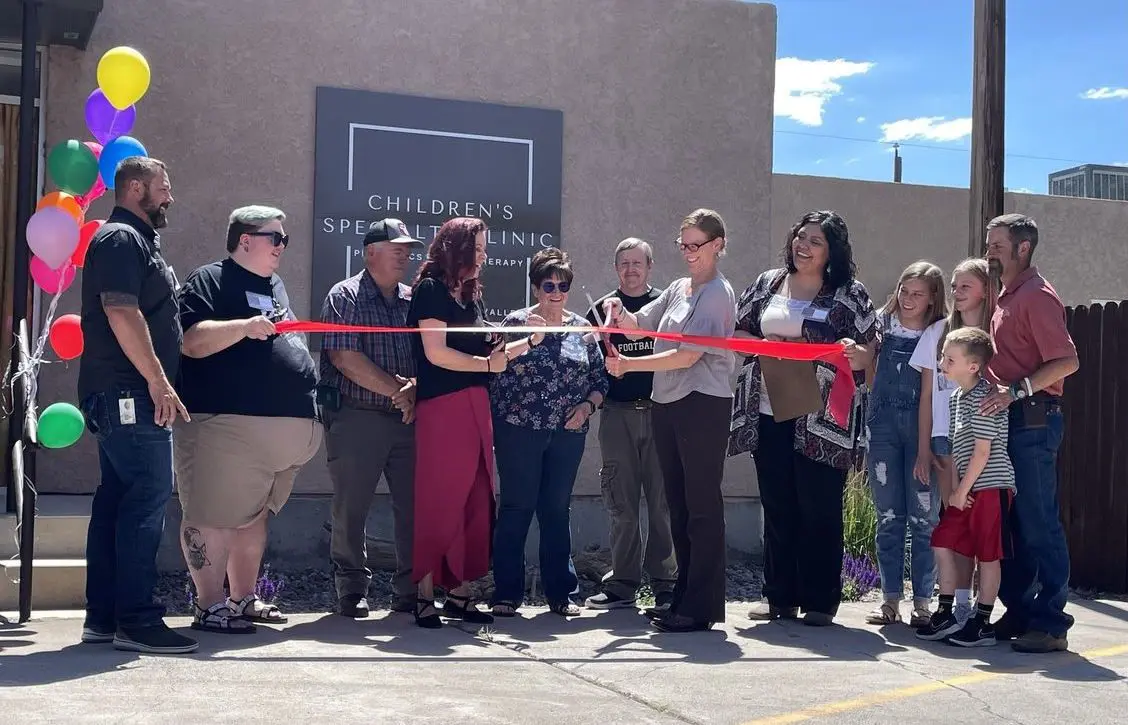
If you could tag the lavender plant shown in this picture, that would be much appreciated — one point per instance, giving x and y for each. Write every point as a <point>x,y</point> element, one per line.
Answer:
<point>859,576</point>
<point>268,587</point>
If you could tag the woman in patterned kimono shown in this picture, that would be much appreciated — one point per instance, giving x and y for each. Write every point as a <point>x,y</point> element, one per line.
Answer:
<point>801,463</point>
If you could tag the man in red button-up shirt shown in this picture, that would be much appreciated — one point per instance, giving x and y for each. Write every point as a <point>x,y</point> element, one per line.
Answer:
<point>1033,355</point>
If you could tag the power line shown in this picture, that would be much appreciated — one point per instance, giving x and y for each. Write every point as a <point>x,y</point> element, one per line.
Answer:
<point>924,146</point>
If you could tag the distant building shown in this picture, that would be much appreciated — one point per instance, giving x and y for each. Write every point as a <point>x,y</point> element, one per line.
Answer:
<point>1091,181</point>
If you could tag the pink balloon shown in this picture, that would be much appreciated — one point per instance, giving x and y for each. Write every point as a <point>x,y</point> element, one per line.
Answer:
<point>99,188</point>
<point>52,234</point>
<point>51,281</point>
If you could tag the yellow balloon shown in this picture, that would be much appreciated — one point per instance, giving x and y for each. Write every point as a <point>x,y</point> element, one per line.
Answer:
<point>123,76</point>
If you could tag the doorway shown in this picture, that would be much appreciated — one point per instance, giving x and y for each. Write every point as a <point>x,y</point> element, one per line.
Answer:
<point>9,138</point>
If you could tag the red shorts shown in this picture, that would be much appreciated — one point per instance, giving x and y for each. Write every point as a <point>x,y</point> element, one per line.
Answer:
<point>981,532</point>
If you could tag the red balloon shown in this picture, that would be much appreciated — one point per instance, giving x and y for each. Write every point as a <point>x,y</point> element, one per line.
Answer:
<point>66,337</point>
<point>85,234</point>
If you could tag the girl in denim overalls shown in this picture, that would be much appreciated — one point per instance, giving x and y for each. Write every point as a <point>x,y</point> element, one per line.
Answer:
<point>973,303</point>
<point>902,502</point>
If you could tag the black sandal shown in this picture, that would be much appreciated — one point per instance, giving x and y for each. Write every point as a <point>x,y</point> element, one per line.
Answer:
<point>564,609</point>
<point>430,621</point>
<point>467,612</point>
<point>220,618</point>
<point>505,608</point>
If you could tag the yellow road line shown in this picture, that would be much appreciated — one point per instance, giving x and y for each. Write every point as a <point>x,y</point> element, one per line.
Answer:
<point>903,693</point>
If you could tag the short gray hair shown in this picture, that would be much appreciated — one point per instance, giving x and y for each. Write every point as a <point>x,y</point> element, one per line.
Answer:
<point>248,219</point>
<point>633,243</point>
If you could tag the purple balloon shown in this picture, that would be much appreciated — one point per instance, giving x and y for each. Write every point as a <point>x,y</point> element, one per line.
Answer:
<point>106,122</point>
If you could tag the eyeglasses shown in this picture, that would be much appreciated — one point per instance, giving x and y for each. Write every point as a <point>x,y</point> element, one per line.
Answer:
<point>690,247</point>
<point>548,287</point>
<point>278,239</point>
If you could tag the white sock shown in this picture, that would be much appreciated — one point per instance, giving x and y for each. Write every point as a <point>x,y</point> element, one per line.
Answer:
<point>963,597</point>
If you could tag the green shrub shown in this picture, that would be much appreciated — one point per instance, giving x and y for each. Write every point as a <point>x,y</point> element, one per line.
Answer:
<point>859,518</point>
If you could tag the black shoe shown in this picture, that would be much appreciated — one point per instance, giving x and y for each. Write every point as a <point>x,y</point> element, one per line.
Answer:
<point>424,620</point>
<point>97,634</point>
<point>663,603</point>
<point>680,623</point>
<point>942,625</point>
<point>403,606</point>
<point>463,608</point>
<point>157,639</point>
<point>765,612</point>
<point>1040,643</point>
<point>607,600</point>
<point>353,605</point>
<point>1008,627</point>
<point>975,633</point>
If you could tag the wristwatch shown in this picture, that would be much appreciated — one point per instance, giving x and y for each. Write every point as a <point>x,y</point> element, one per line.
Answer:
<point>588,401</point>
<point>1021,389</point>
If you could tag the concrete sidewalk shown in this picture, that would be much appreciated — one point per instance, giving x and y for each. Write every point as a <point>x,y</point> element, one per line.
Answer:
<point>608,667</point>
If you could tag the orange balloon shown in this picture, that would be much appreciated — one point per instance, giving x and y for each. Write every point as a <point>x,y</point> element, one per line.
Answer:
<point>64,201</point>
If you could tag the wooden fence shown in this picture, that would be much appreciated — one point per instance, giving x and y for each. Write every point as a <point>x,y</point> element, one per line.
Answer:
<point>1093,459</point>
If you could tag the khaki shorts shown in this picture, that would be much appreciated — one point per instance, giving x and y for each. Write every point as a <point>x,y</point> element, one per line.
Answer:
<point>231,468</point>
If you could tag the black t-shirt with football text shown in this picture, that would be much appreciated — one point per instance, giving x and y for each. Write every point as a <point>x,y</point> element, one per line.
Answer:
<point>275,377</point>
<point>125,258</point>
<point>632,387</point>
<point>431,300</point>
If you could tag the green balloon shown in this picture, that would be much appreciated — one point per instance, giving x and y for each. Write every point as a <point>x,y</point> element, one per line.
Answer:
<point>60,425</point>
<point>73,167</point>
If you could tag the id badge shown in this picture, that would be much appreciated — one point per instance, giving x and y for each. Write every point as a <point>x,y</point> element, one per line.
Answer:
<point>815,314</point>
<point>127,411</point>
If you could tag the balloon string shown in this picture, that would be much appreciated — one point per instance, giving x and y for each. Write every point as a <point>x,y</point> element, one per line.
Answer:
<point>29,369</point>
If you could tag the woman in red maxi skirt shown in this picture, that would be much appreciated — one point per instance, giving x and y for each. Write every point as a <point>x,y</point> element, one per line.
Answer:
<point>454,496</point>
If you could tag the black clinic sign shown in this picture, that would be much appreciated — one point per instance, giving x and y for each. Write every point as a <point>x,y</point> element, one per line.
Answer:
<point>427,160</point>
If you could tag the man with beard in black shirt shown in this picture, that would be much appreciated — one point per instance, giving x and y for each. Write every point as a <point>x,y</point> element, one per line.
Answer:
<point>252,393</point>
<point>132,351</point>
<point>630,462</point>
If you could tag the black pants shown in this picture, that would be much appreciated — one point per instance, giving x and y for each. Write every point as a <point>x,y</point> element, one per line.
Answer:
<point>802,503</point>
<point>691,435</point>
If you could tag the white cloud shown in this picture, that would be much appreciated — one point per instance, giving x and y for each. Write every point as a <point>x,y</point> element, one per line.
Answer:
<point>1104,93</point>
<point>803,87</point>
<point>853,160</point>
<point>927,128</point>
<point>861,119</point>
<point>1022,190</point>
<point>1120,163</point>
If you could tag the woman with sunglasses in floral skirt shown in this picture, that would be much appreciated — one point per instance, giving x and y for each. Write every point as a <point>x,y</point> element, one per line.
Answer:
<point>541,407</point>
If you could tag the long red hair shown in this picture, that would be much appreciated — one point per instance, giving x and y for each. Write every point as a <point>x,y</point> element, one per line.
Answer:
<point>452,254</point>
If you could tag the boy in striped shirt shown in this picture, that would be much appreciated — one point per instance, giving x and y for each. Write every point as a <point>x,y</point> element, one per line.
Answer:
<point>975,520</point>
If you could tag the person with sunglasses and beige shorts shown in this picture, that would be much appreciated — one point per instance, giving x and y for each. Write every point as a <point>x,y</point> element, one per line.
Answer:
<point>252,396</point>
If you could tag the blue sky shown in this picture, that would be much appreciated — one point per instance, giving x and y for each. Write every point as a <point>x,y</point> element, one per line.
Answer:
<point>889,70</point>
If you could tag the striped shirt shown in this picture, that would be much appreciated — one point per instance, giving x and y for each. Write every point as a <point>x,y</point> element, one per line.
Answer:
<point>358,301</point>
<point>967,425</point>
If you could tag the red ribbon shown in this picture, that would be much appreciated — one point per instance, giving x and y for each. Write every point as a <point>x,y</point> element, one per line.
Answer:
<point>841,391</point>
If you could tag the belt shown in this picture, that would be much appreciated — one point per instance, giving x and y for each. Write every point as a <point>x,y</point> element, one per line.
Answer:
<point>347,402</point>
<point>629,404</point>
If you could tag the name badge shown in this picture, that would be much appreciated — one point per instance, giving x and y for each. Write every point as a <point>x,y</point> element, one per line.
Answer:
<point>815,314</point>
<point>262,303</point>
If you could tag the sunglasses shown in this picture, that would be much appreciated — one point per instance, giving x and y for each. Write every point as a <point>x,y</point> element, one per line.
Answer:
<point>548,286</point>
<point>278,239</point>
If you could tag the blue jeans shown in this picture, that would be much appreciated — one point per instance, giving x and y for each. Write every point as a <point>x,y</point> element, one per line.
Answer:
<point>128,513</point>
<point>902,503</point>
<point>537,470</point>
<point>1041,555</point>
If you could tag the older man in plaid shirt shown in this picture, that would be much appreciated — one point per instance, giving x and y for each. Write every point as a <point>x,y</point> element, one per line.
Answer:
<point>368,395</point>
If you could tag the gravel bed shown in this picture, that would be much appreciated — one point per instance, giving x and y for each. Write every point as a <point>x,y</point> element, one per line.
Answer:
<point>311,590</point>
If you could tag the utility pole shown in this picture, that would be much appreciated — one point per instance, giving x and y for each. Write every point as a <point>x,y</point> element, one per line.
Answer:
<point>896,163</point>
<point>987,116</point>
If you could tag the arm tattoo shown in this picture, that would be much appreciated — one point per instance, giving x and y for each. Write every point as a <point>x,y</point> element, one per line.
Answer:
<point>118,299</point>
<point>195,548</point>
